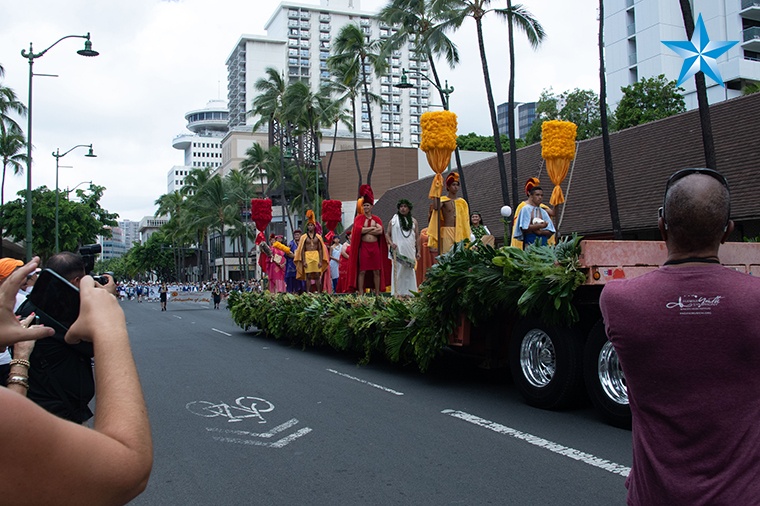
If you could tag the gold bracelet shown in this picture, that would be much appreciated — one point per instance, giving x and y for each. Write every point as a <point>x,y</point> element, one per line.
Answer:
<point>19,380</point>
<point>21,361</point>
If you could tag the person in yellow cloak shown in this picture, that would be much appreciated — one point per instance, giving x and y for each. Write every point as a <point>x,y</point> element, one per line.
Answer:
<point>311,259</point>
<point>529,185</point>
<point>454,216</point>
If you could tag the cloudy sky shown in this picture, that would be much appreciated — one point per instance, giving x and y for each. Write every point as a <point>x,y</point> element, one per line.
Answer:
<point>160,59</point>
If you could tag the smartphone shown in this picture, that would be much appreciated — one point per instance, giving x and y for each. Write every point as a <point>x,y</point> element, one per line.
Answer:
<point>56,298</point>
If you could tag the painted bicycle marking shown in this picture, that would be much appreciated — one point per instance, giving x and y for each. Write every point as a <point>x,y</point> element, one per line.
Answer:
<point>244,407</point>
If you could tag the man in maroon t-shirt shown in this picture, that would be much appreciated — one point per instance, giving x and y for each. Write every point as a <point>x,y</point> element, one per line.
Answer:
<point>688,341</point>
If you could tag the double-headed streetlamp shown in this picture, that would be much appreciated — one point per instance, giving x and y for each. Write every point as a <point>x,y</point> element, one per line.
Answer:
<point>31,56</point>
<point>58,155</point>
<point>68,192</point>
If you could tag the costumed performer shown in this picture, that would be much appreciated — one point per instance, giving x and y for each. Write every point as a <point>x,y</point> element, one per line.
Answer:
<point>293,285</point>
<point>369,266</point>
<point>534,225</point>
<point>277,265</point>
<point>345,255</point>
<point>402,236</point>
<point>454,215</point>
<point>311,258</point>
<point>529,185</point>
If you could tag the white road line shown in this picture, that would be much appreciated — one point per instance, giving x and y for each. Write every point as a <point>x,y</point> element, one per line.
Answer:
<point>285,426</point>
<point>277,444</point>
<point>541,442</point>
<point>394,392</point>
<point>178,317</point>
<point>221,332</point>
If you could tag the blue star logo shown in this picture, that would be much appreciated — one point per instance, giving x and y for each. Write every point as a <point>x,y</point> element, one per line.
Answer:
<point>700,53</point>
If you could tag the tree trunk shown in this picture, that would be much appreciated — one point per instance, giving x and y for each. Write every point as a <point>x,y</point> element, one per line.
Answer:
<point>447,106</point>
<point>371,127</point>
<point>329,162</point>
<point>492,113</point>
<point>356,147</point>
<point>511,104</point>
<point>2,206</point>
<point>704,105</point>
<point>608,172</point>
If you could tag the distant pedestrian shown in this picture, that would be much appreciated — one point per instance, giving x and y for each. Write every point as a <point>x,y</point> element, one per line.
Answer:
<point>163,292</point>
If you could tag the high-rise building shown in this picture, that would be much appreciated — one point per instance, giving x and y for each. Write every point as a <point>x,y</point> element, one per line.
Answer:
<point>202,148</point>
<point>298,43</point>
<point>634,31</point>
<point>113,246</point>
<point>131,231</point>
<point>525,115</point>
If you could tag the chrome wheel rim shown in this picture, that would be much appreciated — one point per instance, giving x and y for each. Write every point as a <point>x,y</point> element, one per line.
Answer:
<point>611,375</point>
<point>537,358</point>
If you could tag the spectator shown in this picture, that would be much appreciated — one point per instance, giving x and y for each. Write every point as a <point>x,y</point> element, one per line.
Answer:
<point>686,337</point>
<point>51,461</point>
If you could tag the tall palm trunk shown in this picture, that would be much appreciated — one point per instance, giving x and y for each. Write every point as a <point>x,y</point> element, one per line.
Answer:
<point>704,104</point>
<point>608,172</point>
<point>356,147</point>
<point>492,113</point>
<point>221,229</point>
<point>447,106</point>
<point>365,86</point>
<point>511,104</point>
<point>329,162</point>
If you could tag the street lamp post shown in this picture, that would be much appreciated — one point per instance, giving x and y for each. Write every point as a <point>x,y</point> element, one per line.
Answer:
<point>58,155</point>
<point>445,92</point>
<point>31,56</point>
<point>77,186</point>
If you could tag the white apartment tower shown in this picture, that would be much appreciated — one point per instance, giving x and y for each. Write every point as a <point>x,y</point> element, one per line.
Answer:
<point>202,148</point>
<point>634,30</point>
<point>298,42</point>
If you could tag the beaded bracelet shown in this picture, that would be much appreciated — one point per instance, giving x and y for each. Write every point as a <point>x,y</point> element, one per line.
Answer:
<point>20,361</point>
<point>19,380</point>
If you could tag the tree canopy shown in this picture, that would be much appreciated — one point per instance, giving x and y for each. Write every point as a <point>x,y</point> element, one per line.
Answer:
<point>648,100</point>
<point>579,106</point>
<point>475,142</point>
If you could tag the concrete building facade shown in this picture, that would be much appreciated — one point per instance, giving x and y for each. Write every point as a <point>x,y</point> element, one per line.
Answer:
<point>634,31</point>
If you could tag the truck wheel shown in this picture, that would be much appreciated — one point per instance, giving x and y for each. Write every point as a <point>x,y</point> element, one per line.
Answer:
<point>545,363</point>
<point>605,380</point>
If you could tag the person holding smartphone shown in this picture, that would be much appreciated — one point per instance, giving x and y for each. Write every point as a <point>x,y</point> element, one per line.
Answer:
<point>60,377</point>
<point>48,460</point>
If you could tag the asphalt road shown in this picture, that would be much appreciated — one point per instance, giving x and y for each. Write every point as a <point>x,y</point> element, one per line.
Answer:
<point>241,419</point>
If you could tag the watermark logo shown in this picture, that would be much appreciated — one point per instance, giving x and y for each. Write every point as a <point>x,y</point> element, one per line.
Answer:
<point>700,53</point>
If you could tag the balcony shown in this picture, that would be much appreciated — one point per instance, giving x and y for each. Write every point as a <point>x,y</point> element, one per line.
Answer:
<point>305,15</point>
<point>293,23</point>
<point>292,43</point>
<point>631,29</point>
<point>324,17</point>
<point>324,36</point>
<point>323,27</point>
<point>293,14</point>
<point>364,22</point>
<point>750,9</point>
<point>751,37</point>
<point>632,59</point>
<point>305,25</point>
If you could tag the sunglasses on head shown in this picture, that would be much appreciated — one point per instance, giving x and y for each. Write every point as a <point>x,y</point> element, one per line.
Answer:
<point>688,172</point>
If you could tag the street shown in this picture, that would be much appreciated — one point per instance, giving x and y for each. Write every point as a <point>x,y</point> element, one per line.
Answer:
<point>241,419</point>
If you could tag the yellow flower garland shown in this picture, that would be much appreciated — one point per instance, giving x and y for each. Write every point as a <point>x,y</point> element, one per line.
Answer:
<point>281,247</point>
<point>558,139</point>
<point>439,130</point>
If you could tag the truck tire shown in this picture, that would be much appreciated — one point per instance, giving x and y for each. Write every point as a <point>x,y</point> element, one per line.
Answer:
<point>605,381</point>
<point>546,364</point>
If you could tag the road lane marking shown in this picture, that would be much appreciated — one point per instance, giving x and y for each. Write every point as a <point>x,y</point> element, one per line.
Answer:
<point>386,389</point>
<point>178,317</point>
<point>282,427</point>
<point>542,443</point>
<point>280,443</point>
<point>221,332</point>
<point>277,444</point>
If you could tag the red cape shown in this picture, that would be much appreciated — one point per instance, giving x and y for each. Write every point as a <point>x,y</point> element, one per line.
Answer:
<point>353,260</point>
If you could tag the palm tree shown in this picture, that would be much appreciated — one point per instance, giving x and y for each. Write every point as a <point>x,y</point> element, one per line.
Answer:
<point>241,189</point>
<point>194,181</point>
<point>517,17</point>
<point>13,153</point>
<point>362,55</point>
<point>171,205</point>
<point>9,103</point>
<point>704,104</point>
<point>269,104</point>
<point>453,13</point>
<point>608,172</point>
<point>214,209</point>
<point>345,84</point>
<point>420,23</point>
<point>333,114</point>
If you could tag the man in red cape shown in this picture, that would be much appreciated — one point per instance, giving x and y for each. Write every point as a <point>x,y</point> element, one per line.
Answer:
<point>368,264</point>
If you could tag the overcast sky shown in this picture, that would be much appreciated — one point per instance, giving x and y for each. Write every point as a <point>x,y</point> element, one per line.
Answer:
<point>160,59</point>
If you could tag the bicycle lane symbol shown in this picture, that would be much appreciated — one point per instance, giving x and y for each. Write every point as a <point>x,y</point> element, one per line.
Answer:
<point>245,407</point>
